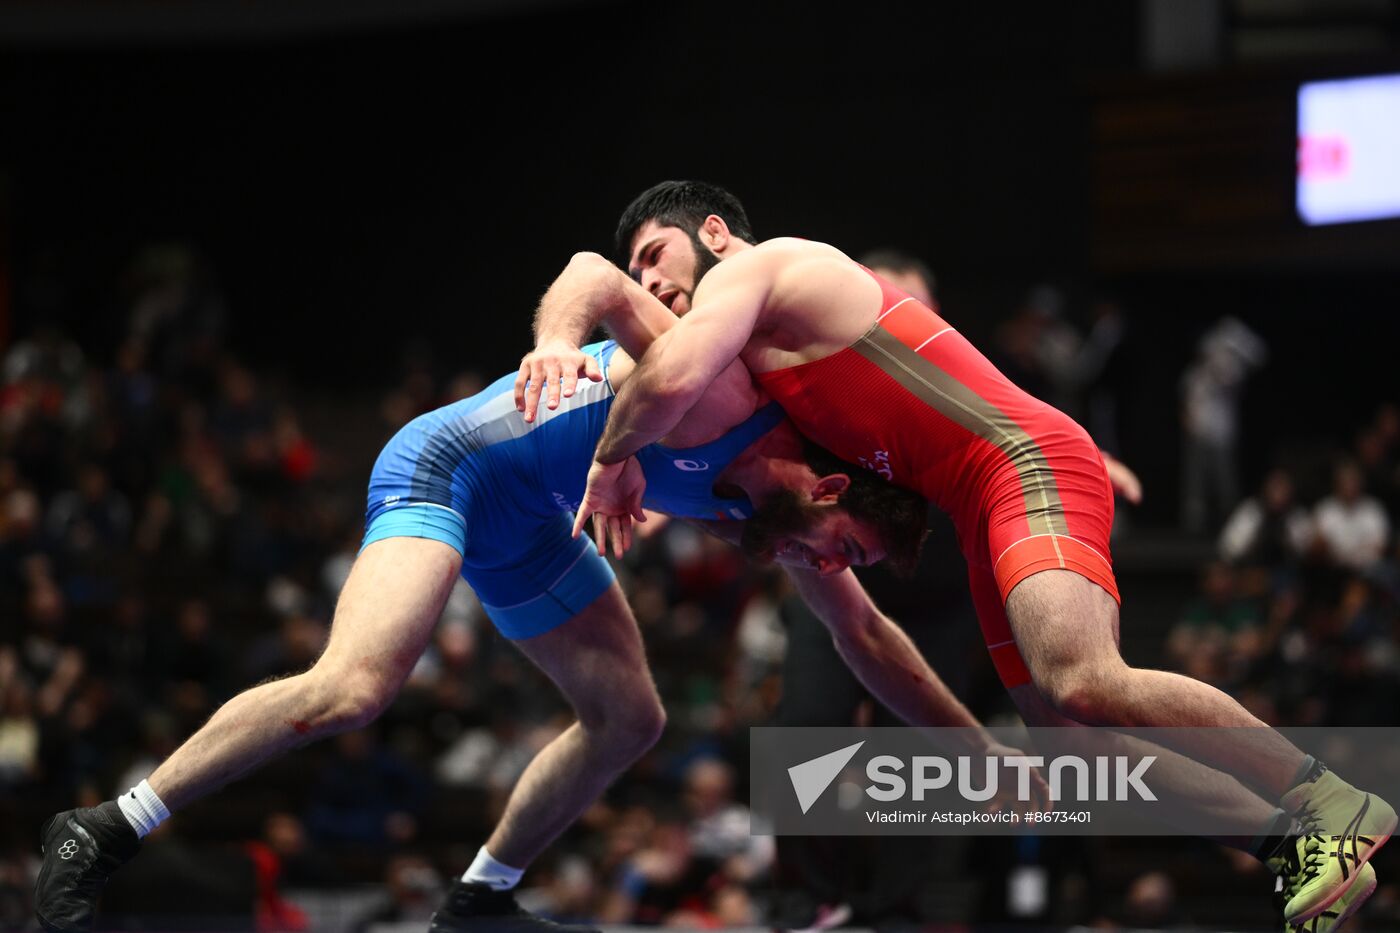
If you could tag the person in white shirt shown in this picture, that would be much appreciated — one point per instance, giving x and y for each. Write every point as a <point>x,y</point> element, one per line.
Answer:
<point>1350,524</point>
<point>1269,529</point>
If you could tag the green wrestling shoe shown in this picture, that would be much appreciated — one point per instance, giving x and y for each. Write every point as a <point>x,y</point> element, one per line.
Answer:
<point>1331,918</point>
<point>1341,828</point>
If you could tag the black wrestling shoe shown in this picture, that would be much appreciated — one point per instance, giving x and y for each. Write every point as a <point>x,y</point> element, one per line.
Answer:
<point>472,907</point>
<point>81,849</point>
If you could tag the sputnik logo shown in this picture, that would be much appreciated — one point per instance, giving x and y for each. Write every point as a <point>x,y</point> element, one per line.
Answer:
<point>811,778</point>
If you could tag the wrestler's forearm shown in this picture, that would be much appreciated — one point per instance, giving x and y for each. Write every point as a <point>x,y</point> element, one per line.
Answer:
<point>882,656</point>
<point>886,661</point>
<point>592,291</point>
<point>654,400</point>
<point>578,301</point>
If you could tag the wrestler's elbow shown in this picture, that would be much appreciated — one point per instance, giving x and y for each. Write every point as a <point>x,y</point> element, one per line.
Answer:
<point>594,272</point>
<point>668,380</point>
<point>858,634</point>
<point>676,393</point>
<point>586,259</point>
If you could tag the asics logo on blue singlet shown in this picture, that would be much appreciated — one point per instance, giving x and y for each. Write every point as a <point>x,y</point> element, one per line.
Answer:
<point>691,466</point>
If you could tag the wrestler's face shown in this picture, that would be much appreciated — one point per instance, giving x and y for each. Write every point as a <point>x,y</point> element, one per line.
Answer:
<point>833,541</point>
<point>668,262</point>
<point>830,522</point>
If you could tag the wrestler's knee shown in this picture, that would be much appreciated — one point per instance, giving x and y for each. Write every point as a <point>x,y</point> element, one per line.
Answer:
<point>341,700</point>
<point>1081,690</point>
<point>628,721</point>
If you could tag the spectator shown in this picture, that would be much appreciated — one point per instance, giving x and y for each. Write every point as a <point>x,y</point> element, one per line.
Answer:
<point>1100,374</point>
<point>412,891</point>
<point>1352,527</point>
<point>1378,450</point>
<point>19,732</point>
<point>570,894</point>
<point>1210,390</point>
<point>1269,529</point>
<point>1216,636</point>
<point>719,828</point>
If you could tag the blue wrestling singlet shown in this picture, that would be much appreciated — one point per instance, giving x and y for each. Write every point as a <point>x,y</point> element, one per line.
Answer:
<point>477,476</point>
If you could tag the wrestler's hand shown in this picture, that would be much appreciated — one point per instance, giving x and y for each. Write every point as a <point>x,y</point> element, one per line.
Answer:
<point>613,499</point>
<point>1125,481</point>
<point>1006,797</point>
<point>555,364</point>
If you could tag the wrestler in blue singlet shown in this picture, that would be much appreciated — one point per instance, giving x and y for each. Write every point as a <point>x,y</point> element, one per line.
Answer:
<point>477,476</point>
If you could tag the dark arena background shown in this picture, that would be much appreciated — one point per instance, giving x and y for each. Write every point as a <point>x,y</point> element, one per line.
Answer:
<point>242,242</point>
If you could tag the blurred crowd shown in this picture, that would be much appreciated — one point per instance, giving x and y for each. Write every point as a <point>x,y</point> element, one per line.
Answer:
<point>171,531</point>
<point>170,534</point>
<point>1299,614</point>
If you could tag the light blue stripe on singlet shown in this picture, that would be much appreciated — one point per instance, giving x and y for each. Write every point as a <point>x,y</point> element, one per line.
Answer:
<point>496,421</point>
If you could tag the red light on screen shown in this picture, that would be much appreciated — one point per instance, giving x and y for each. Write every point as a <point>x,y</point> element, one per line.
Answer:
<point>1321,157</point>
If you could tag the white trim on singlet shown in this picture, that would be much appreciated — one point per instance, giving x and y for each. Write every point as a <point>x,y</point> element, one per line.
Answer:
<point>932,339</point>
<point>424,505</point>
<point>891,308</point>
<point>1057,548</point>
<point>1002,644</point>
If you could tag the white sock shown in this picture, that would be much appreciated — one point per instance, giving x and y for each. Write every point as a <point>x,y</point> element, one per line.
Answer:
<point>142,809</point>
<point>486,870</point>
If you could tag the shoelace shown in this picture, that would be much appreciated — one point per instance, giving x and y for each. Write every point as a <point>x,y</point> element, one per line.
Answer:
<point>1314,851</point>
<point>1346,852</point>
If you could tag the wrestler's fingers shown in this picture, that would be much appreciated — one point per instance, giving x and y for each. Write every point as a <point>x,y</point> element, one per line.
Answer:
<point>600,533</point>
<point>611,533</point>
<point>551,375</point>
<point>532,394</point>
<point>522,379</point>
<point>580,518</point>
<point>624,534</point>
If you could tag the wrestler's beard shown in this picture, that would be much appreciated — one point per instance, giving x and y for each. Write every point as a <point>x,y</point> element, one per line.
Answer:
<point>898,515</point>
<point>705,260</point>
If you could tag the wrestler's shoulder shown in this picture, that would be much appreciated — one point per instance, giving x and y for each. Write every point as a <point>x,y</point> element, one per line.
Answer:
<point>793,247</point>
<point>782,258</point>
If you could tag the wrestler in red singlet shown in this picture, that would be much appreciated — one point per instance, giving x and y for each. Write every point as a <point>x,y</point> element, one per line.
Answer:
<point>1024,484</point>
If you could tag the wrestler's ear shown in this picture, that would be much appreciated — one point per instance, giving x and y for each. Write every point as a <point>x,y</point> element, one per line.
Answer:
<point>714,233</point>
<point>828,489</point>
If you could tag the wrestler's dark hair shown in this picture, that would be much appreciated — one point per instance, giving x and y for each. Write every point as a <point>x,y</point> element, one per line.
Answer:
<point>900,261</point>
<point>683,204</point>
<point>898,514</point>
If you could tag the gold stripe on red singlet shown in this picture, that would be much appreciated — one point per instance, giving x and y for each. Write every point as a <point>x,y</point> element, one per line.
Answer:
<point>964,407</point>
